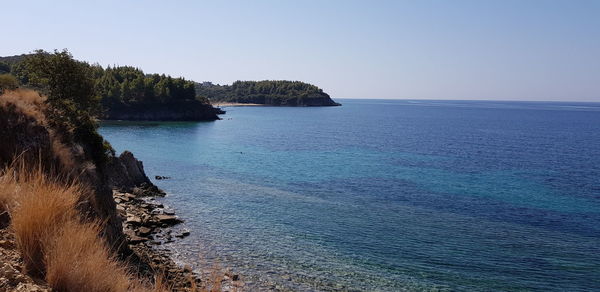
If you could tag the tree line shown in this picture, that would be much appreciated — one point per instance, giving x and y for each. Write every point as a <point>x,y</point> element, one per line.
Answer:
<point>113,86</point>
<point>249,91</point>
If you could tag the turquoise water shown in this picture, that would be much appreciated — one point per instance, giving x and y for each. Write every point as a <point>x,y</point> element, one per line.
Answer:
<point>386,195</point>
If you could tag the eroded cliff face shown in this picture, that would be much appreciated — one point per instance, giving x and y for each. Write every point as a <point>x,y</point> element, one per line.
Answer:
<point>26,134</point>
<point>186,110</point>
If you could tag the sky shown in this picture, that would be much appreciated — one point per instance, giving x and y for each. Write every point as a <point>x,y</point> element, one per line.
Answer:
<point>477,49</point>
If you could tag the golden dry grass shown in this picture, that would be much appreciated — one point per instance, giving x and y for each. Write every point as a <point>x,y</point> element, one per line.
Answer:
<point>31,104</point>
<point>77,260</point>
<point>58,246</point>
<point>41,207</point>
<point>52,239</point>
<point>28,102</point>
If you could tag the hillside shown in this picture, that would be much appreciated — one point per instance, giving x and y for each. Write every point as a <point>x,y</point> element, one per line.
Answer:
<point>275,93</point>
<point>125,93</point>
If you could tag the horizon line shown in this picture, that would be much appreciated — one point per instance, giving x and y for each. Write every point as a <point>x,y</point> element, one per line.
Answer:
<point>433,99</point>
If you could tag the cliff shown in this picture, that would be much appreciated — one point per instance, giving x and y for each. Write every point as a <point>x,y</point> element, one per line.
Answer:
<point>185,110</point>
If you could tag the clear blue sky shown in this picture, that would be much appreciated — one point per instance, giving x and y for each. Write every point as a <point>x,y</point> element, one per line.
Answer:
<point>504,49</point>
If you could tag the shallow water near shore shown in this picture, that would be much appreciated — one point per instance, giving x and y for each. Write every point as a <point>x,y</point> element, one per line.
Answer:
<point>380,195</point>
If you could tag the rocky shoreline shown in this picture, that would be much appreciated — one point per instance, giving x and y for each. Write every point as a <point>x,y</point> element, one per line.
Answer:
<point>147,225</point>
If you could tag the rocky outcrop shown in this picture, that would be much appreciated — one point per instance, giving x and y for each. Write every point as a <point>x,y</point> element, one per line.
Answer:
<point>185,110</point>
<point>126,172</point>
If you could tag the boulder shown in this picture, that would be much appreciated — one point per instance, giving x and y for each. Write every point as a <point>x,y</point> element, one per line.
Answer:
<point>144,231</point>
<point>132,219</point>
<point>168,219</point>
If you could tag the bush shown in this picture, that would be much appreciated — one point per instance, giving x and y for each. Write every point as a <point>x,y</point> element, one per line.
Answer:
<point>8,82</point>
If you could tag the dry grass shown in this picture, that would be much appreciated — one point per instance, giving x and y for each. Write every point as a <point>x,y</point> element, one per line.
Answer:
<point>28,102</point>
<point>77,260</point>
<point>41,207</point>
<point>53,241</point>
<point>58,246</point>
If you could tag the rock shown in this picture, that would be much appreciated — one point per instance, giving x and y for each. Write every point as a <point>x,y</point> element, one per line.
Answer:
<point>187,268</point>
<point>147,190</point>
<point>5,244</point>
<point>144,231</point>
<point>28,287</point>
<point>136,239</point>
<point>168,219</point>
<point>134,220</point>
<point>183,233</point>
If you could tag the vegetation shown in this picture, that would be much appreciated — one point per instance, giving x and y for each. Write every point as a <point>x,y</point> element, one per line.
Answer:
<point>113,85</point>
<point>4,68</point>
<point>60,246</point>
<point>265,92</point>
<point>129,85</point>
<point>126,88</point>
<point>8,82</point>
<point>54,241</point>
<point>123,92</point>
<point>73,105</point>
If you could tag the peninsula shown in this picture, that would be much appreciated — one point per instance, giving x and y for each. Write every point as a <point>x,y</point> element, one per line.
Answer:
<point>266,92</point>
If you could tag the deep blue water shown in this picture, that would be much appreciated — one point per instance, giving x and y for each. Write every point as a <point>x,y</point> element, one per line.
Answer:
<point>382,195</point>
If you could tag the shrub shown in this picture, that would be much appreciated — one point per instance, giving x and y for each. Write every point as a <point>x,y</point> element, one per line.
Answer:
<point>8,82</point>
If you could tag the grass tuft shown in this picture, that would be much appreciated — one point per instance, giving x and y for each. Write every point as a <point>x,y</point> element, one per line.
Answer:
<point>78,260</point>
<point>41,206</point>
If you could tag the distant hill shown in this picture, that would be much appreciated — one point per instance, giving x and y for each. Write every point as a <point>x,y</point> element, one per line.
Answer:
<point>7,62</point>
<point>267,92</point>
<point>13,59</point>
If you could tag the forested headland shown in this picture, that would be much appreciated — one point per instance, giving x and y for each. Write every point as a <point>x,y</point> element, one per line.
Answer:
<point>267,92</point>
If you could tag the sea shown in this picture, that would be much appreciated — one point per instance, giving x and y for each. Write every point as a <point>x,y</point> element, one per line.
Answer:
<point>384,195</point>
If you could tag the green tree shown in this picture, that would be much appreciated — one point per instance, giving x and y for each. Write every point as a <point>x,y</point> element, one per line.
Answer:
<point>73,105</point>
<point>4,68</point>
<point>68,83</point>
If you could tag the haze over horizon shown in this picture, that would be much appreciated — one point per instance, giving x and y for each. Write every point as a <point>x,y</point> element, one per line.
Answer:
<point>500,50</point>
